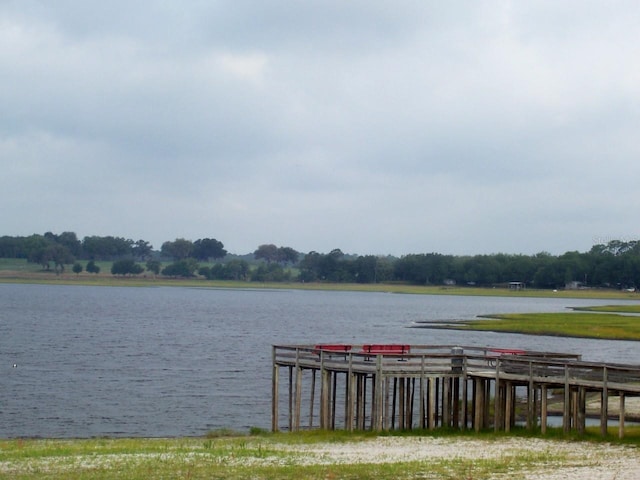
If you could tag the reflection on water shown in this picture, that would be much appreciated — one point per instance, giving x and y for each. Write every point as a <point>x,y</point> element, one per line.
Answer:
<point>97,361</point>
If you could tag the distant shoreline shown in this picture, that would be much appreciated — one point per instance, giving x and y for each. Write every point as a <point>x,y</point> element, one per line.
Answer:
<point>109,280</point>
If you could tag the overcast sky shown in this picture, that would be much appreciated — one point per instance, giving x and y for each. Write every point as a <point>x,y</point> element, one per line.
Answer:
<point>376,127</point>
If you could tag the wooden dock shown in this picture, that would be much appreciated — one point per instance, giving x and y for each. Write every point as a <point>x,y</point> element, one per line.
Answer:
<point>352,387</point>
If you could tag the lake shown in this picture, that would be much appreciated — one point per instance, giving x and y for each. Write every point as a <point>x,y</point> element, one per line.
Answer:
<point>84,361</point>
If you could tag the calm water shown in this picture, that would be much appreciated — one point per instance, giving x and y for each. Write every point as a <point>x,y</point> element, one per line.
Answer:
<point>108,361</point>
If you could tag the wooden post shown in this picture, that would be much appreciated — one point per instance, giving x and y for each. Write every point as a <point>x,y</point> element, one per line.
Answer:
<point>465,399</point>
<point>508,405</point>
<point>411,398</point>
<point>290,399</point>
<point>487,403</point>
<point>479,405</point>
<point>298,399</point>
<point>313,397</point>
<point>352,401</point>
<point>580,399</point>
<point>422,393</point>
<point>621,416</point>
<point>531,403</point>
<point>361,400</point>
<point>274,393</point>
<point>566,413</point>
<point>437,407</point>
<point>604,411</point>
<point>402,403</point>
<point>431,405</point>
<point>379,396</point>
<point>325,387</point>
<point>446,402</point>
<point>334,388</point>
<point>543,409</point>
<point>394,402</point>
<point>387,384</point>
<point>456,402</point>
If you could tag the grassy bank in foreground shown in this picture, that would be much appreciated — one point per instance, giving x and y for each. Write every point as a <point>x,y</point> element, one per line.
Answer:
<point>583,325</point>
<point>308,455</point>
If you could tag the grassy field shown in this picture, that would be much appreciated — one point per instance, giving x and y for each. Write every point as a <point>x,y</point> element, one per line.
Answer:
<point>310,455</point>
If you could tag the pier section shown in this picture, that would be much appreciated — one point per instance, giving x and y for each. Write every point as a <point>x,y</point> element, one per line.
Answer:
<point>402,387</point>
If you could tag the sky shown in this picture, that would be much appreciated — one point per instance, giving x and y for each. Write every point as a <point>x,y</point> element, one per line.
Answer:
<point>376,127</point>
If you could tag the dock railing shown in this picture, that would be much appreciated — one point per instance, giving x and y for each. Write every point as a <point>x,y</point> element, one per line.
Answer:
<point>380,384</point>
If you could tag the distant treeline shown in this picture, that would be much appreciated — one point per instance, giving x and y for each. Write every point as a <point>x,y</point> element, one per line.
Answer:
<point>614,265</point>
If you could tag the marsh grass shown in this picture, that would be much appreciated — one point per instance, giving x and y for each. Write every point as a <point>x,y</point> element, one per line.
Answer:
<point>584,325</point>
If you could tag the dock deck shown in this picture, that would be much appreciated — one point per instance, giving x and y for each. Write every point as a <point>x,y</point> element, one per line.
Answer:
<point>386,387</point>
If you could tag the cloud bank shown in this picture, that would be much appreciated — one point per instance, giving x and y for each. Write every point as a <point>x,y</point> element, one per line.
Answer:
<point>375,127</point>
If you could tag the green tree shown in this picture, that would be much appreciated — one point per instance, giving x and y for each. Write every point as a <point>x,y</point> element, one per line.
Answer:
<point>266,252</point>
<point>126,266</point>
<point>154,266</point>
<point>179,249</point>
<point>270,272</point>
<point>141,249</point>
<point>77,268</point>
<point>71,242</point>
<point>287,255</point>
<point>181,268</point>
<point>206,248</point>
<point>92,267</point>
<point>59,255</point>
<point>106,248</point>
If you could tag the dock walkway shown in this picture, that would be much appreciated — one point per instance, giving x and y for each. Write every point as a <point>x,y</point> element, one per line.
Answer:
<point>431,386</point>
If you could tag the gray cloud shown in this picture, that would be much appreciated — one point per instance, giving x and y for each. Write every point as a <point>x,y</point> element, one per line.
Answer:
<point>374,127</point>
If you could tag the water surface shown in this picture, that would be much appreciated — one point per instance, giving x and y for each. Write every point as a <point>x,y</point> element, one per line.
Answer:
<point>172,361</point>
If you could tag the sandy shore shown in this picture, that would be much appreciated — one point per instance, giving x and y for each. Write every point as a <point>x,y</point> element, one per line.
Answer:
<point>424,458</point>
<point>553,460</point>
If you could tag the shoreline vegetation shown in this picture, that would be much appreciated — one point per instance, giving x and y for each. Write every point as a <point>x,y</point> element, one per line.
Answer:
<point>325,454</point>
<point>616,322</point>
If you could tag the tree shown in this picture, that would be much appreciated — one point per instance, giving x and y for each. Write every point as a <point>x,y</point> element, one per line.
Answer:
<point>267,252</point>
<point>34,249</point>
<point>181,268</point>
<point>179,249</point>
<point>59,255</point>
<point>206,248</point>
<point>92,267</point>
<point>270,272</point>
<point>127,266</point>
<point>310,267</point>
<point>287,255</point>
<point>107,248</point>
<point>141,249</point>
<point>71,242</point>
<point>154,266</point>
<point>77,268</point>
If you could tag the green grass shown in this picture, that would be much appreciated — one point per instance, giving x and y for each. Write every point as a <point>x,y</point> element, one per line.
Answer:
<point>583,325</point>
<point>265,456</point>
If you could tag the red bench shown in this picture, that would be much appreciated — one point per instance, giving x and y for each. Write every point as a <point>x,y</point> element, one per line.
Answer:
<point>332,348</point>
<point>388,349</point>
<point>494,353</point>
<point>506,351</point>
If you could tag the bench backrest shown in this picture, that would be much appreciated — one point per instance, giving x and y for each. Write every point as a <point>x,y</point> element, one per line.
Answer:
<point>386,348</point>
<point>333,347</point>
